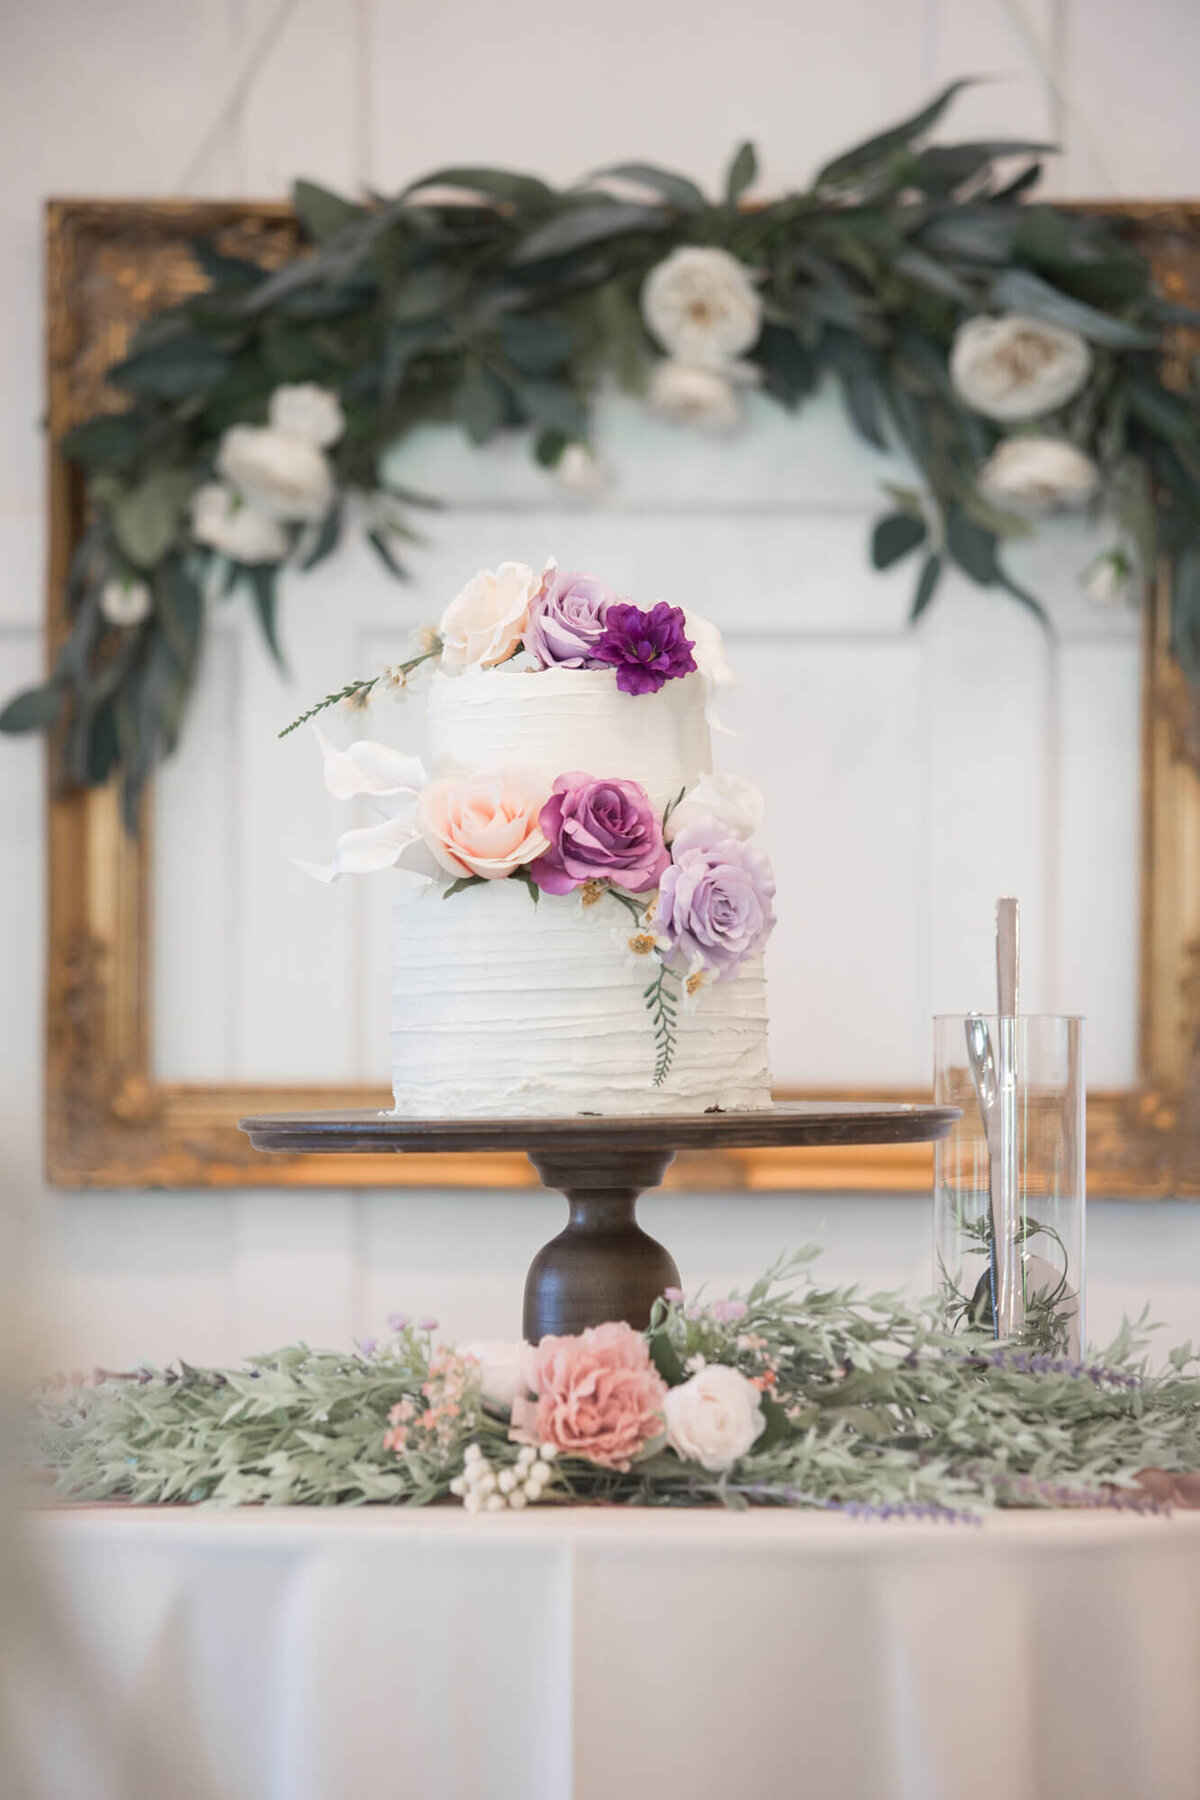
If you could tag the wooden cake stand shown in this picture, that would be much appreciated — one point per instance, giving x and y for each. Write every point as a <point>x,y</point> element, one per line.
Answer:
<point>603,1265</point>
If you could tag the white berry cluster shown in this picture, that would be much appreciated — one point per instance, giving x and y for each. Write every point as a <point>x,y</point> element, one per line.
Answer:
<point>482,1488</point>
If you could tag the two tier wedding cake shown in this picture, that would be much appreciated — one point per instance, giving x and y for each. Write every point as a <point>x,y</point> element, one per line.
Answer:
<point>582,926</point>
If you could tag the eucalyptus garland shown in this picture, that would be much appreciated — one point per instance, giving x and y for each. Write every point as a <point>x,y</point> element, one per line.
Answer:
<point>1011,348</point>
<point>858,1402</point>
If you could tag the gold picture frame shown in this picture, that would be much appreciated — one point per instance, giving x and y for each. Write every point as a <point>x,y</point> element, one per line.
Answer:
<point>109,1123</point>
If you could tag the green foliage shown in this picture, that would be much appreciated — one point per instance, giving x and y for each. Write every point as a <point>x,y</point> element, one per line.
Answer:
<point>509,313</point>
<point>868,1402</point>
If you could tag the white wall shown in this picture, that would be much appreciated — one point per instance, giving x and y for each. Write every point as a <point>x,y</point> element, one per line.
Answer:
<point>131,98</point>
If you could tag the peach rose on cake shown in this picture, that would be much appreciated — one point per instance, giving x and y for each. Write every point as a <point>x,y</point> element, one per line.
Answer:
<point>485,825</point>
<point>597,1395</point>
<point>484,624</point>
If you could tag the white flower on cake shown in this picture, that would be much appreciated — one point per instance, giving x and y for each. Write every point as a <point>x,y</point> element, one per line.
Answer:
<point>125,601</point>
<point>730,799</point>
<point>285,476</point>
<point>307,411</point>
<point>1015,368</point>
<point>716,671</point>
<point>484,825</point>
<point>692,395</point>
<point>501,1361</point>
<point>391,783</point>
<point>482,625</point>
<point>1036,475</point>
<point>694,983</point>
<point>227,522</point>
<point>702,306</point>
<point>641,945</point>
<point>714,1418</point>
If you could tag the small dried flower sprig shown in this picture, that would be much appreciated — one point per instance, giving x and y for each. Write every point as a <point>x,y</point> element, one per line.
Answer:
<point>356,695</point>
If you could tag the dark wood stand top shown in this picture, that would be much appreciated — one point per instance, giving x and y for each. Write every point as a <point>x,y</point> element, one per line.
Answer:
<point>786,1123</point>
<point>603,1265</point>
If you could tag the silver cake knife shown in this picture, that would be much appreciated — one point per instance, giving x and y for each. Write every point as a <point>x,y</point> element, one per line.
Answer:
<point>1002,1143</point>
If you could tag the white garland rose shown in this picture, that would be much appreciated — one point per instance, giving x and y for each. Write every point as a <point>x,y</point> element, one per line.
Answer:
<point>304,410</point>
<point>236,527</point>
<point>702,307</point>
<point>714,1418</point>
<point>1032,476</point>
<point>1015,368</point>
<point>690,394</point>
<point>287,477</point>
<point>125,601</point>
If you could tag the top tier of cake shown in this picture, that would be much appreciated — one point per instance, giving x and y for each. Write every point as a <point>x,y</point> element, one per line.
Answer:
<point>554,720</point>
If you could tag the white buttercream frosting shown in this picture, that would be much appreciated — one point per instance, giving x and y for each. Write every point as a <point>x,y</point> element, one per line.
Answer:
<point>559,720</point>
<point>504,1008</point>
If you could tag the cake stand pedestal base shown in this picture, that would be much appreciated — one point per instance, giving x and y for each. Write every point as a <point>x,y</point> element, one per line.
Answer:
<point>603,1265</point>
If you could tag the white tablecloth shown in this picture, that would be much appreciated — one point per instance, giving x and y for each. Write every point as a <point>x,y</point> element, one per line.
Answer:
<point>353,1655</point>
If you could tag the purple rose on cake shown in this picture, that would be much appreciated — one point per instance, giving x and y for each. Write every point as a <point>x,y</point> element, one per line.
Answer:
<point>567,620</point>
<point>645,648</point>
<point>599,831</point>
<point>714,901</point>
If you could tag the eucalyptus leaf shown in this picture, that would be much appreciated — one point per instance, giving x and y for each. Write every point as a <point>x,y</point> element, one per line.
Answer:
<point>894,537</point>
<point>1021,291</point>
<point>594,222</point>
<point>146,521</point>
<point>481,404</point>
<point>553,408</point>
<point>324,214</point>
<point>676,190</point>
<point>109,441</point>
<point>36,709</point>
<point>172,371</point>
<point>941,168</point>
<point>872,150</point>
<point>972,547</point>
<point>383,550</point>
<point>927,581</point>
<point>264,591</point>
<point>743,170</point>
<point>537,345</point>
<point>525,191</point>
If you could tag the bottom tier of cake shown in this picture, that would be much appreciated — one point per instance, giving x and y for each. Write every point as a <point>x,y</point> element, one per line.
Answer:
<point>504,1009</point>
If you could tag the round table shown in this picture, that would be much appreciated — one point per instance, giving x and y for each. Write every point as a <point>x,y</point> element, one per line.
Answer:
<point>308,1654</point>
<point>603,1265</point>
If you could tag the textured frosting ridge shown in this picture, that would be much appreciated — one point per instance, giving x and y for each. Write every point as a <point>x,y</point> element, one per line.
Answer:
<point>558,720</point>
<point>504,1008</point>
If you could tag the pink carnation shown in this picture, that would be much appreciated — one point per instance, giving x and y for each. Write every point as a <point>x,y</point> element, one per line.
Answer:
<point>596,1395</point>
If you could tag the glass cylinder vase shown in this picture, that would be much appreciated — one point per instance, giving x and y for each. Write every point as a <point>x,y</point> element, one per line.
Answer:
<point>1009,1181</point>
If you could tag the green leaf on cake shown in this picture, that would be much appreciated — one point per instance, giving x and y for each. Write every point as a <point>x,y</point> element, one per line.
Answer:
<point>463,882</point>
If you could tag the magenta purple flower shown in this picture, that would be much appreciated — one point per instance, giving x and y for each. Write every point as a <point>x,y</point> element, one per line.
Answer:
<point>600,831</point>
<point>647,649</point>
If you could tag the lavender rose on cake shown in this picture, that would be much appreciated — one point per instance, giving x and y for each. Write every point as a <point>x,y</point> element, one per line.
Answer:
<point>647,649</point>
<point>714,900</point>
<point>599,831</point>
<point>567,620</point>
